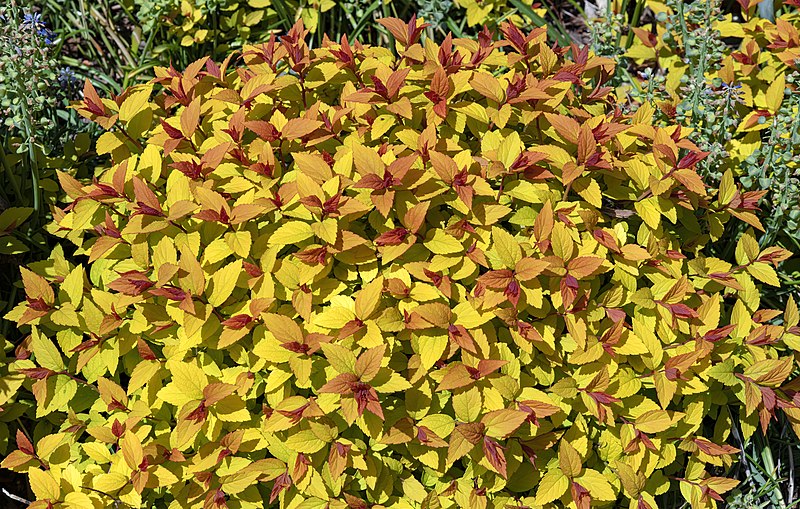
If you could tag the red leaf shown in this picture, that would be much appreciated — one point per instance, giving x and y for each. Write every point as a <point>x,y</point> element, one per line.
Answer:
<point>340,384</point>
<point>282,483</point>
<point>393,237</point>
<point>23,444</point>
<point>606,239</point>
<point>169,292</point>
<point>682,311</point>
<point>497,279</point>
<point>580,496</point>
<point>300,466</point>
<point>720,333</point>
<point>603,398</point>
<point>494,453</point>
<point>85,345</point>
<point>691,159</point>
<point>713,449</point>
<point>488,366</point>
<point>117,429</point>
<point>37,373</point>
<point>238,322</point>
<point>367,399</point>
<point>351,328</point>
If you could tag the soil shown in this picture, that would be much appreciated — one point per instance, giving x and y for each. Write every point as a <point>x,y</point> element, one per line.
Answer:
<point>14,484</point>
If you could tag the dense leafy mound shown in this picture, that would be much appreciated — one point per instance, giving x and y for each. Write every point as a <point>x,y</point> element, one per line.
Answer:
<point>458,277</point>
<point>735,84</point>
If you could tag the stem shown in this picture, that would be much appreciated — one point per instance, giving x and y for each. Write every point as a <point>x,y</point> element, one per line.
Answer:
<point>34,167</point>
<point>136,142</point>
<point>637,14</point>
<point>10,175</point>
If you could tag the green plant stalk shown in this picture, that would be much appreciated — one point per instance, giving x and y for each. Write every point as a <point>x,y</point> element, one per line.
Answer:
<point>552,32</point>
<point>684,30</point>
<point>769,467</point>
<point>114,36</point>
<point>700,77</point>
<point>365,19</point>
<point>9,306</point>
<point>767,161</point>
<point>10,175</point>
<point>623,8</point>
<point>578,8</point>
<point>637,14</point>
<point>34,166</point>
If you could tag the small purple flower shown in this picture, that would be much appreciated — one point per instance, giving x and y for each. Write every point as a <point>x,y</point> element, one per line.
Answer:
<point>66,77</point>
<point>33,20</point>
<point>48,35</point>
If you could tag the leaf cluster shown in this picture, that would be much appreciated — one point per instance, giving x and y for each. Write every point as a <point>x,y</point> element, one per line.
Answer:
<point>451,275</point>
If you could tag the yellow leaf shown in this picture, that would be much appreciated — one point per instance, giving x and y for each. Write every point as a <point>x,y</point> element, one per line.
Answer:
<point>223,282</point>
<point>334,317</point>
<point>764,273</point>
<point>727,188</point>
<point>589,190</point>
<point>649,212</point>
<point>217,250</point>
<point>506,247</point>
<point>569,460</point>
<point>770,372</point>
<point>488,86</point>
<point>46,353</point>
<point>791,316</point>
<point>431,349</point>
<point>292,232</point>
<point>190,118</point>
<point>443,243</point>
<point>551,487</point>
<point>598,485</point>
<point>653,421</point>
<point>502,423</point>
<point>132,450</point>
<point>135,103</point>
<point>774,94</point>
<point>510,147</point>
<point>326,230</point>
<point>466,315</point>
<point>73,285</point>
<point>109,141</point>
<point>109,483</point>
<point>563,244</point>
<point>239,242</point>
<point>468,405</point>
<point>188,382</point>
<point>77,500</point>
<point>43,485</point>
<point>367,160</point>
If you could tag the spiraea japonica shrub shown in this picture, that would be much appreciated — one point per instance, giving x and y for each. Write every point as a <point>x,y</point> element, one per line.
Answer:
<point>448,275</point>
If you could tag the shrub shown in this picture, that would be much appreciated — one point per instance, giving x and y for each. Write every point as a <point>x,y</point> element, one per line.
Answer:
<point>445,275</point>
<point>735,85</point>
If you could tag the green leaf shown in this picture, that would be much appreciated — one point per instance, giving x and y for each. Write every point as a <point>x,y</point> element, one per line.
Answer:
<point>506,247</point>
<point>341,358</point>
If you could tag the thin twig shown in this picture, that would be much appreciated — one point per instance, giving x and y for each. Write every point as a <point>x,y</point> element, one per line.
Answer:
<point>15,497</point>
